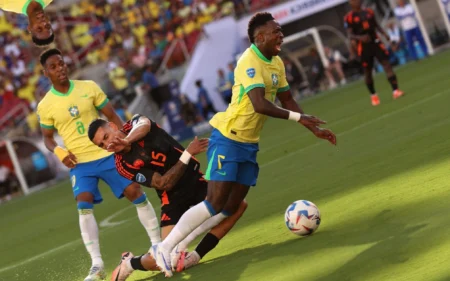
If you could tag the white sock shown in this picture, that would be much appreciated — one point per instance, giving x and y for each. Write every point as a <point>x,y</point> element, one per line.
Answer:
<point>190,220</point>
<point>204,227</point>
<point>148,218</point>
<point>89,233</point>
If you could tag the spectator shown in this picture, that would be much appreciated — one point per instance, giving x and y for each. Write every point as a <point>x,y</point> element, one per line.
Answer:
<point>292,74</point>
<point>335,60</point>
<point>396,43</point>
<point>317,70</point>
<point>204,104</point>
<point>122,111</point>
<point>188,111</point>
<point>149,79</point>
<point>406,14</point>
<point>117,76</point>
<point>224,86</point>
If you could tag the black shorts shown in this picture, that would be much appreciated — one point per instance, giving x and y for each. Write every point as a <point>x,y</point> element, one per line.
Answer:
<point>175,207</point>
<point>369,51</point>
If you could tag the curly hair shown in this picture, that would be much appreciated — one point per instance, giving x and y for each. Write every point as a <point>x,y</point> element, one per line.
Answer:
<point>256,21</point>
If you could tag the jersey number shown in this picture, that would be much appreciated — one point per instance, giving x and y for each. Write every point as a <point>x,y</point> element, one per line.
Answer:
<point>158,159</point>
<point>80,127</point>
<point>219,157</point>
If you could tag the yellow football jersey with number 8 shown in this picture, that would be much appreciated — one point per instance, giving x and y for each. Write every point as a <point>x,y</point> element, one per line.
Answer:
<point>240,122</point>
<point>71,113</point>
<point>20,6</point>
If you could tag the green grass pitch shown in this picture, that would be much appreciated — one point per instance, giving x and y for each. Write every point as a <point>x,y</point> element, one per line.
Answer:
<point>383,193</point>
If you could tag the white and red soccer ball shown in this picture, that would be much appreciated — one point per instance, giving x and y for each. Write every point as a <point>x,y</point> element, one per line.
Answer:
<point>302,217</point>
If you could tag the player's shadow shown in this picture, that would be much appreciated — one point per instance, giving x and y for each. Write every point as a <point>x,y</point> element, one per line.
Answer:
<point>388,238</point>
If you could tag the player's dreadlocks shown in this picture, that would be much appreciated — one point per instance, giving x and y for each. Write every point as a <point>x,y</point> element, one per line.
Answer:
<point>94,126</point>
<point>256,21</point>
<point>48,53</point>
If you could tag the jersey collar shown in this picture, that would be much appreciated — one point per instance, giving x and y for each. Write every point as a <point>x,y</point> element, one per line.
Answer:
<point>55,92</point>
<point>259,54</point>
<point>25,7</point>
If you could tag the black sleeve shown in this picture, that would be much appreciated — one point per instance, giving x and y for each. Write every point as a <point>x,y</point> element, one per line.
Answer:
<point>134,171</point>
<point>144,177</point>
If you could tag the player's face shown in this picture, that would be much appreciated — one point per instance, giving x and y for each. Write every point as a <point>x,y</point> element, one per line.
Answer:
<point>40,26</point>
<point>105,135</point>
<point>273,37</point>
<point>56,69</point>
<point>355,4</point>
<point>401,3</point>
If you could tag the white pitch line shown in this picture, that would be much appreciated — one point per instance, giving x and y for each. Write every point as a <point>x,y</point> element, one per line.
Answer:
<point>356,128</point>
<point>106,221</point>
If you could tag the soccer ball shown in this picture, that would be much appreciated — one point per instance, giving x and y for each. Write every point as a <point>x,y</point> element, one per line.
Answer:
<point>302,218</point>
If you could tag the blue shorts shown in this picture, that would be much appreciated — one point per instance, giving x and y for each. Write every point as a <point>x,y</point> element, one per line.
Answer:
<point>85,176</point>
<point>229,160</point>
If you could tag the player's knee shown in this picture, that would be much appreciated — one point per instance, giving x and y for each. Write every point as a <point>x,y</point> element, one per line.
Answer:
<point>85,208</point>
<point>133,192</point>
<point>214,206</point>
<point>142,199</point>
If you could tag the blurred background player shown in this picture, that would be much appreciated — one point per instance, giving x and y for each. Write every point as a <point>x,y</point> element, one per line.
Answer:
<point>147,154</point>
<point>406,15</point>
<point>232,167</point>
<point>68,107</point>
<point>39,26</point>
<point>362,28</point>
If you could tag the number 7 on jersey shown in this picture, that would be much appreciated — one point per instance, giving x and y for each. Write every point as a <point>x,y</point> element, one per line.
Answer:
<point>219,157</point>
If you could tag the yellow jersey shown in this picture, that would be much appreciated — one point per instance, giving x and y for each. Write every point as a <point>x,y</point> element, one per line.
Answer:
<point>20,6</point>
<point>240,122</point>
<point>71,113</point>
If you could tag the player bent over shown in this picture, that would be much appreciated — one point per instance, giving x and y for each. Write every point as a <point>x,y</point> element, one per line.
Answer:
<point>68,108</point>
<point>232,168</point>
<point>362,31</point>
<point>146,154</point>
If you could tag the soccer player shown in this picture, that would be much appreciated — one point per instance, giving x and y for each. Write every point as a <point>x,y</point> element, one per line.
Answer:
<point>39,24</point>
<point>362,29</point>
<point>145,153</point>
<point>68,108</point>
<point>233,145</point>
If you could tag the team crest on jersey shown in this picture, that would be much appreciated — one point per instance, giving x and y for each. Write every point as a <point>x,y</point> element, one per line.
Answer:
<point>251,72</point>
<point>140,178</point>
<point>74,112</point>
<point>74,181</point>
<point>274,79</point>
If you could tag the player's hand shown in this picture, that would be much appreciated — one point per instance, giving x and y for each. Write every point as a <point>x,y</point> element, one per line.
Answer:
<point>310,121</point>
<point>118,144</point>
<point>70,161</point>
<point>325,134</point>
<point>197,146</point>
<point>388,38</point>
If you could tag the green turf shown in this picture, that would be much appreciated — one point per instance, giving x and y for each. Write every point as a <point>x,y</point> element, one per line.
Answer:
<point>383,194</point>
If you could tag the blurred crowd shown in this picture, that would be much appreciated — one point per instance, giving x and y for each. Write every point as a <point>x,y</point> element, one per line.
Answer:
<point>130,36</point>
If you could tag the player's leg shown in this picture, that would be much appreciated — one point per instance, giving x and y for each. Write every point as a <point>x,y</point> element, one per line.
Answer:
<point>211,239</point>
<point>382,55</point>
<point>221,172</point>
<point>367,60</point>
<point>132,191</point>
<point>419,37</point>
<point>86,193</point>
<point>410,43</point>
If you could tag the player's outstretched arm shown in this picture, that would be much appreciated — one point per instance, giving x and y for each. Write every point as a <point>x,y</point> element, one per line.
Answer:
<point>173,175</point>
<point>140,129</point>
<point>288,102</point>
<point>66,157</point>
<point>111,114</point>
<point>262,106</point>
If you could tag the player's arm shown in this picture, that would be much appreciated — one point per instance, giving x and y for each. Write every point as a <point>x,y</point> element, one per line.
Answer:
<point>173,175</point>
<point>111,114</point>
<point>288,102</point>
<point>381,29</point>
<point>66,157</point>
<point>262,106</point>
<point>141,127</point>
<point>352,36</point>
